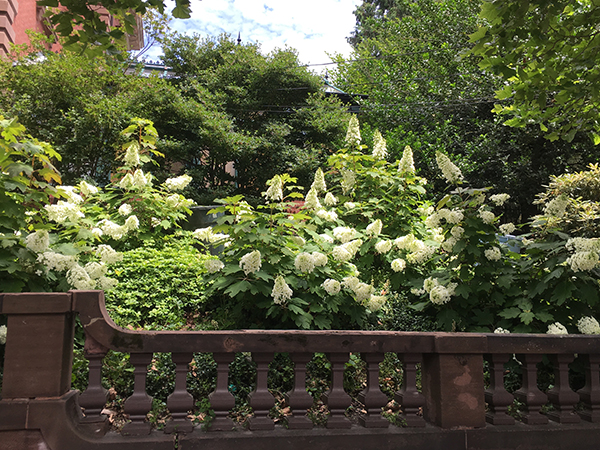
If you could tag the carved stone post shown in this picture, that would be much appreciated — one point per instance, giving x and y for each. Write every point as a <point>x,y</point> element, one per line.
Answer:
<point>298,399</point>
<point>561,395</point>
<point>372,397</point>
<point>180,401</point>
<point>221,399</point>
<point>496,396</point>
<point>140,403</point>
<point>336,398</point>
<point>529,393</point>
<point>409,398</point>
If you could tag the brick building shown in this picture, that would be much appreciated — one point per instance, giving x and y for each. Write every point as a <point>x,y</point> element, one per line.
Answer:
<point>17,16</point>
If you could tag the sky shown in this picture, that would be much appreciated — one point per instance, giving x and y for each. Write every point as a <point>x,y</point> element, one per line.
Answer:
<point>312,27</point>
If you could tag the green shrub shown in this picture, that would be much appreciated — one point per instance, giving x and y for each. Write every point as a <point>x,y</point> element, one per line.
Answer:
<point>160,285</point>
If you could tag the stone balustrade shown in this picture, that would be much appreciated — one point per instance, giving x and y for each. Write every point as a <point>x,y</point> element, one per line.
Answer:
<point>453,392</point>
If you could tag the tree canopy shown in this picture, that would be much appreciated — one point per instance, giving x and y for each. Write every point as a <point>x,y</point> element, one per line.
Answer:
<point>547,53</point>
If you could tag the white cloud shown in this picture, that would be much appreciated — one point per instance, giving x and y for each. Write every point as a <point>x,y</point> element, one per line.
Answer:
<point>312,27</point>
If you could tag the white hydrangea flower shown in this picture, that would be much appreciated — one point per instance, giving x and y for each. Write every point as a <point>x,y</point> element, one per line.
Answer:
<point>376,302</point>
<point>312,200</point>
<point>457,231</point>
<point>79,279</point>
<point>420,255</point>
<point>95,269</point>
<point>330,199</point>
<point>319,181</point>
<point>580,244</point>
<point>507,228</point>
<point>38,242</point>
<point>154,222</point>
<point>349,205</point>
<point>140,179</point>
<point>108,255</point>
<point>493,254</point>
<point>426,211</point>
<point>448,244</point>
<point>348,180</point>
<point>453,216</point>
<point>281,291</point>
<point>379,146</point>
<point>62,211</point>
<point>320,259</point>
<point>332,287</point>
<point>407,164</point>
<point>132,223</point>
<point>344,234</point>
<point>588,325</point>
<point>557,206</point>
<point>328,216</point>
<point>452,173</point>
<point>112,229</point>
<point>69,193</point>
<point>97,232</point>
<point>499,199</point>
<point>3,333</point>
<point>213,265</point>
<point>304,262</point>
<point>350,283</point>
<point>106,283</point>
<point>326,238</point>
<point>583,261</point>
<point>251,262</point>
<point>374,228</point>
<point>125,209</point>
<point>556,328</point>
<point>275,191</point>
<point>203,234</point>
<point>353,246</point>
<point>383,246</point>
<point>501,330</point>
<point>353,134</point>
<point>87,189</point>
<point>340,253</point>
<point>132,155</point>
<point>398,265</point>
<point>404,242</point>
<point>433,221</point>
<point>438,293</point>
<point>178,183</point>
<point>487,216</point>
<point>127,182</point>
<point>363,291</point>
<point>57,261</point>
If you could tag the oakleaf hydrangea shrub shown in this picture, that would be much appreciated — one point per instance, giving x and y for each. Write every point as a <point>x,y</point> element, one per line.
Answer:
<point>66,237</point>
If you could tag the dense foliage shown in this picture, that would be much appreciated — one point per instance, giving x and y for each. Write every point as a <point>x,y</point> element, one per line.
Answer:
<point>426,90</point>
<point>547,53</point>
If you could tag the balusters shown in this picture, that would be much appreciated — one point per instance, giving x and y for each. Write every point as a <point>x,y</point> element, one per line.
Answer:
<point>261,399</point>
<point>496,396</point>
<point>372,397</point>
<point>221,400</point>
<point>529,393</point>
<point>94,397</point>
<point>336,398</point>
<point>138,405</point>
<point>180,401</point>
<point>561,395</point>
<point>298,399</point>
<point>409,398</point>
<point>590,393</point>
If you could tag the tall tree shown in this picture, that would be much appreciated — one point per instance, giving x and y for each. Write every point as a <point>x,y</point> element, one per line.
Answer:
<point>547,53</point>
<point>273,101</point>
